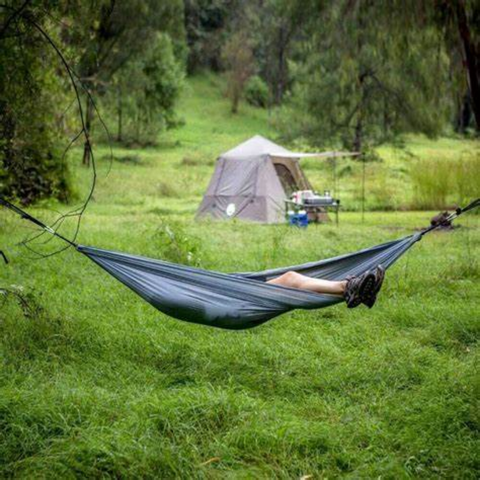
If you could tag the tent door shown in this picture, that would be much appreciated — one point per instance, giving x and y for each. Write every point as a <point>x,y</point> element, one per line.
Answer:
<point>286,178</point>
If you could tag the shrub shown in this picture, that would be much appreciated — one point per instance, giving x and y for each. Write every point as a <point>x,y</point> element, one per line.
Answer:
<point>31,162</point>
<point>256,92</point>
<point>176,246</point>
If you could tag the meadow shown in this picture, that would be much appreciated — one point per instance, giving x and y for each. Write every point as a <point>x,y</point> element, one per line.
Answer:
<point>96,383</point>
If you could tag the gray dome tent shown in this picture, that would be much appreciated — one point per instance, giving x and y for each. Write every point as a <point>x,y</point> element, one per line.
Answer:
<point>252,181</point>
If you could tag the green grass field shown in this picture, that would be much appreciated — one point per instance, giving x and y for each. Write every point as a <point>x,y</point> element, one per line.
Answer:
<point>96,383</point>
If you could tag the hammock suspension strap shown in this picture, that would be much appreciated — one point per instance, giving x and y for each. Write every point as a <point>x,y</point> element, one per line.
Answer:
<point>26,216</point>
<point>34,220</point>
<point>452,216</point>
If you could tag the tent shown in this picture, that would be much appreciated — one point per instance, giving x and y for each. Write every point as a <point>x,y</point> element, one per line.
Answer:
<point>252,181</point>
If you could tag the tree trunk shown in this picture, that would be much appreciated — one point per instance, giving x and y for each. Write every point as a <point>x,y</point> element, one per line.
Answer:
<point>235,100</point>
<point>464,115</point>
<point>358,138</point>
<point>357,141</point>
<point>281,77</point>
<point>88,123</point>
<point>120,113</point>
<point>470,60</point>
<point>137,128</point>
<point>281,80</point>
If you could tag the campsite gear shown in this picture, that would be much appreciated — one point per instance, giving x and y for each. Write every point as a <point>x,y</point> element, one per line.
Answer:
<point>299,219</point>
<point>252,181</point>
<point>359,288</point>
<point>239,300</point>
<point>316,207</point>
<point>369,300</point>
<point>320,201</point>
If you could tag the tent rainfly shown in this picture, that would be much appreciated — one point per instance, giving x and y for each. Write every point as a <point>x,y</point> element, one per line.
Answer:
<point>252,181</point>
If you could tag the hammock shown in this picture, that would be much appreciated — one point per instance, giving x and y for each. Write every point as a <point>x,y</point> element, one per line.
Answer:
<point>239,300</point>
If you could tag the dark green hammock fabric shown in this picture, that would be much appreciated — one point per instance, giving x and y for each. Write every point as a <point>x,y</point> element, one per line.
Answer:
<point>239,300</point>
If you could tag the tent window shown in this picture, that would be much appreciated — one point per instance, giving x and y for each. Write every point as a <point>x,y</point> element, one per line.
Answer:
<point>286,179</point>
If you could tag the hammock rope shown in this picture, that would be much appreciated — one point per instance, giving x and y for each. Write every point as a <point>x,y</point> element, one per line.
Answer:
<point>236,301</point>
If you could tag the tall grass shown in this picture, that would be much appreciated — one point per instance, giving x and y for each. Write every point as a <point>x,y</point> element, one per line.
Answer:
<point>436,184</point>
<point>466,177</point>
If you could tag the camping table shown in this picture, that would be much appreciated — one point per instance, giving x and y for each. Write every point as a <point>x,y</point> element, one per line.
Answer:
<point>313,210</point>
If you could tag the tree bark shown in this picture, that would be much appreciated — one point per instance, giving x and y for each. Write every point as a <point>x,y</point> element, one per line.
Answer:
<point>235,99</point>
<point>120,115</point>
<point>357,141</point>
<point>470,59</point>
<point>464,114</point>
<point>282,67</point>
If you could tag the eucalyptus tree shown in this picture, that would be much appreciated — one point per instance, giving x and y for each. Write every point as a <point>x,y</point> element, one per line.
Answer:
<point>145,92</point>
<point>238,59</point>
<point>275,27</point>
<point>109,34</point>
<point>459,23</point>
<point>363,78</point>
<point>206,25</point>
<point>31,88</point>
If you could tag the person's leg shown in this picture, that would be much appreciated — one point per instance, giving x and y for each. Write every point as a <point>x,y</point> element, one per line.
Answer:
<point>297,280</point>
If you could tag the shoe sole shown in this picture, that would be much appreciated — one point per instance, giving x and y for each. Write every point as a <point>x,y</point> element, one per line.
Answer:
<point>366,286</point>
<point>370,300</point>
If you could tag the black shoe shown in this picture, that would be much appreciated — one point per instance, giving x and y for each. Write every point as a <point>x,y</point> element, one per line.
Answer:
<point>369,300</point>
<point>359,288</point>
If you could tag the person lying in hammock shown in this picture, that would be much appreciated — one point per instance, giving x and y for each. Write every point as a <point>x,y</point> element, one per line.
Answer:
<point>355,290</point>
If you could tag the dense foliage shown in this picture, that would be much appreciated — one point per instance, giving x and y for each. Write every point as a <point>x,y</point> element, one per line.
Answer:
<point>143,94</point>
<point>354,73</point>
<point>368,80</point>
<point>31,165</point>
<point>119,53</point>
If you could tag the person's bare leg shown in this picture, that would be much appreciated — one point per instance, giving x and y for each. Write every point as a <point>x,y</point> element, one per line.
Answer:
<point>297,280</point>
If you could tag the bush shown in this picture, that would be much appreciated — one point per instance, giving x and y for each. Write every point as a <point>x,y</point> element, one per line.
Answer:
<point>31,162</point>
<point>176,246</point>
<point>256,92</point>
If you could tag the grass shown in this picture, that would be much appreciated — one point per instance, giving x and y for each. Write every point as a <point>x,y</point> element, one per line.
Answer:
<point>95,383</point>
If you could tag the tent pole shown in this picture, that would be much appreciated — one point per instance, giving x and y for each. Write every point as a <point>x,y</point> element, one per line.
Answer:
<point>335,184</point>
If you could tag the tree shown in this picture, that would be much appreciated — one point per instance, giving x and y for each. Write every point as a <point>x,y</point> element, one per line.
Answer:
<point>111,34</point>
<point>470,40</point>
<point>364,79</point>
<point>275,26</point>
<point>457,22</point>
<point>145,91</point>
<point>206,23</point>
<point>31,164</point>
<point>238,59</point>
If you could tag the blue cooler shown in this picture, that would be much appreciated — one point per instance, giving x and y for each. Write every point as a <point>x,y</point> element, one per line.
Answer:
<point>299,219</point>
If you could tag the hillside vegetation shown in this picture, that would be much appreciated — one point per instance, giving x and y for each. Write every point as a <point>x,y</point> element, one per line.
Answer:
<point>96,383</point>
